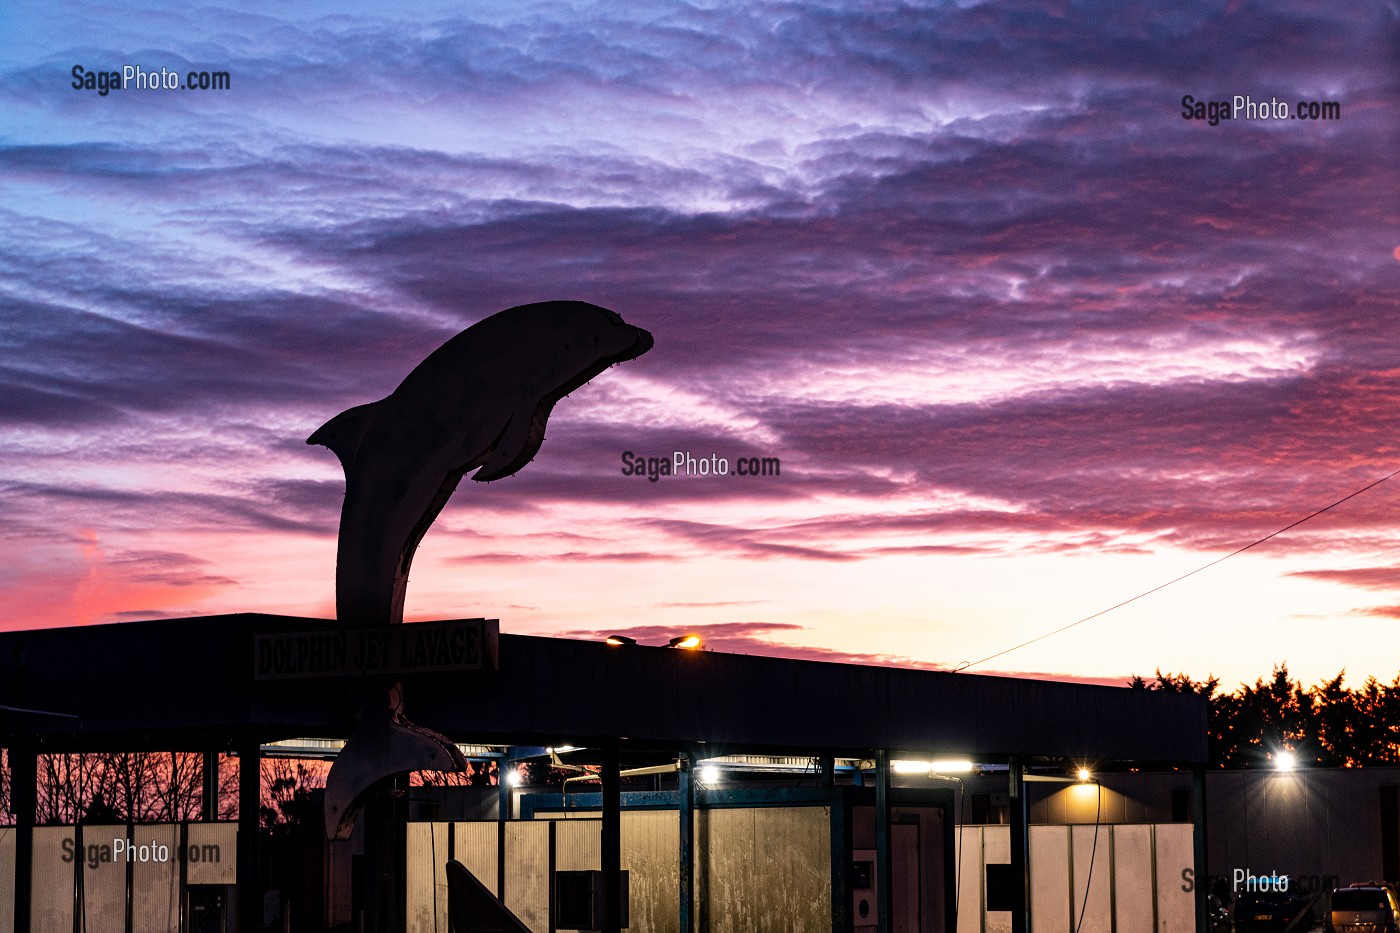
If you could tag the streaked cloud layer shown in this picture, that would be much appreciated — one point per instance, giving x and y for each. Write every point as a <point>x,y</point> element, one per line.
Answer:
<point>1024,339</point>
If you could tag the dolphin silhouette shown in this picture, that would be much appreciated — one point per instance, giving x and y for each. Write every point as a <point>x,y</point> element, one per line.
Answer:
<point>480,400</point>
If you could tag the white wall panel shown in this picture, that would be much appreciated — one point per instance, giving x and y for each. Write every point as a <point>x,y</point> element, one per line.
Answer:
<point>7,877</point>
<point>996,849</point>
<point>1176,908</point>
<point>1093,875</point>
<point>1133,877</point>
<point>969,895</point>
<point>213,853</point>
<point>1050,878</point>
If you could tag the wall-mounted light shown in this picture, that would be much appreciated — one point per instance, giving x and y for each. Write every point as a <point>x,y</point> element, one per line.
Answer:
<point>618,641</point>
<point>513,777</point>
<point>684,641</point>
<point>1084,775</point>
<point>709,774</point>
<point>951,766</point>
<point>1285,760</point>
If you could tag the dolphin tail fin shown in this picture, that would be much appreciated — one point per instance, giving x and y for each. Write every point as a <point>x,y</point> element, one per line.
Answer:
<point>343,433</point>
<point>383,744</point>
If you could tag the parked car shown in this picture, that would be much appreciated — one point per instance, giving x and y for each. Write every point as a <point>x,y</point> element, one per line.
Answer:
<point>1269,911</point>
<point>1369,908</point>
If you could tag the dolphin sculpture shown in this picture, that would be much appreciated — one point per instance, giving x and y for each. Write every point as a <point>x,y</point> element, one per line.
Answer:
<point>479,402</point>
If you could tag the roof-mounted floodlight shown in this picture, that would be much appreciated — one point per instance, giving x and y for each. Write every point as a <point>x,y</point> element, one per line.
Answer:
<point>684,641</point>
<point>620,640</point>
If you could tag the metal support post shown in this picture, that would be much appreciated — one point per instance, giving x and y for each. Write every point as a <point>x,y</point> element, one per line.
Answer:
<point>209,810</point>
<point>1198,840</point>
<point>503,772</point>
<point>884,868</point>
<point>249,804</point>
<point>612,840</point>
<point>686,793</point>
<point>1020,848</point>
<point>24,800</point>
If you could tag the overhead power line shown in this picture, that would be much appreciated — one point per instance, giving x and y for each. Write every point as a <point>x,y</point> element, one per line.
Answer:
<point>1064,628</point>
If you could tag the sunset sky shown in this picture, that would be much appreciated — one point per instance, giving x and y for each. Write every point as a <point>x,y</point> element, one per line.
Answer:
<point>1026,341</point>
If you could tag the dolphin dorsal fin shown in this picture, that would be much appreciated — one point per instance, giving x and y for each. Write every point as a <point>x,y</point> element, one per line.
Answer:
<point>343,433</point>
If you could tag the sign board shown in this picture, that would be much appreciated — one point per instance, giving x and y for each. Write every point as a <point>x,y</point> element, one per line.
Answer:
<point>412,648</point>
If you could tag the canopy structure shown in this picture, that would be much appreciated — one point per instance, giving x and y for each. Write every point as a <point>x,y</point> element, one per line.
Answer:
<point>181,683</point>
<point>192,684</point>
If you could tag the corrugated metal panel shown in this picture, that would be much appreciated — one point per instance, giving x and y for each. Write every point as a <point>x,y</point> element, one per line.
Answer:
<point>425,877</point>
<point>51,909</point>
<point>155,906</point>
<point>103,899</point>
<point>765,869</point>
<point>651,853</point>
<point>578,845</point>
<point>527,872</point>
<point>213,853</point>
<point>477,850</point>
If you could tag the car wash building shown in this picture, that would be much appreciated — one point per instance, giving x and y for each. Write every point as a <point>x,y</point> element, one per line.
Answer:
<point>733,792</point>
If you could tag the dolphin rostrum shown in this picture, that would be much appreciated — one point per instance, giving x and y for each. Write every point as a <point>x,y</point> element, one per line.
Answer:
<point>478,402</point>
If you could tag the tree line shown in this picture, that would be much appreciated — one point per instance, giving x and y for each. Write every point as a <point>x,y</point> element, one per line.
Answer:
<point>1328,725</point>
<point>168,787</point>
<point>120,787</point>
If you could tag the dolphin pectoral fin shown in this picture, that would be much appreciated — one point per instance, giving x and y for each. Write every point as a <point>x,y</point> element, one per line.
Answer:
<point>516,445</point>
<point>383,744</point>
<point>343,433</point>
